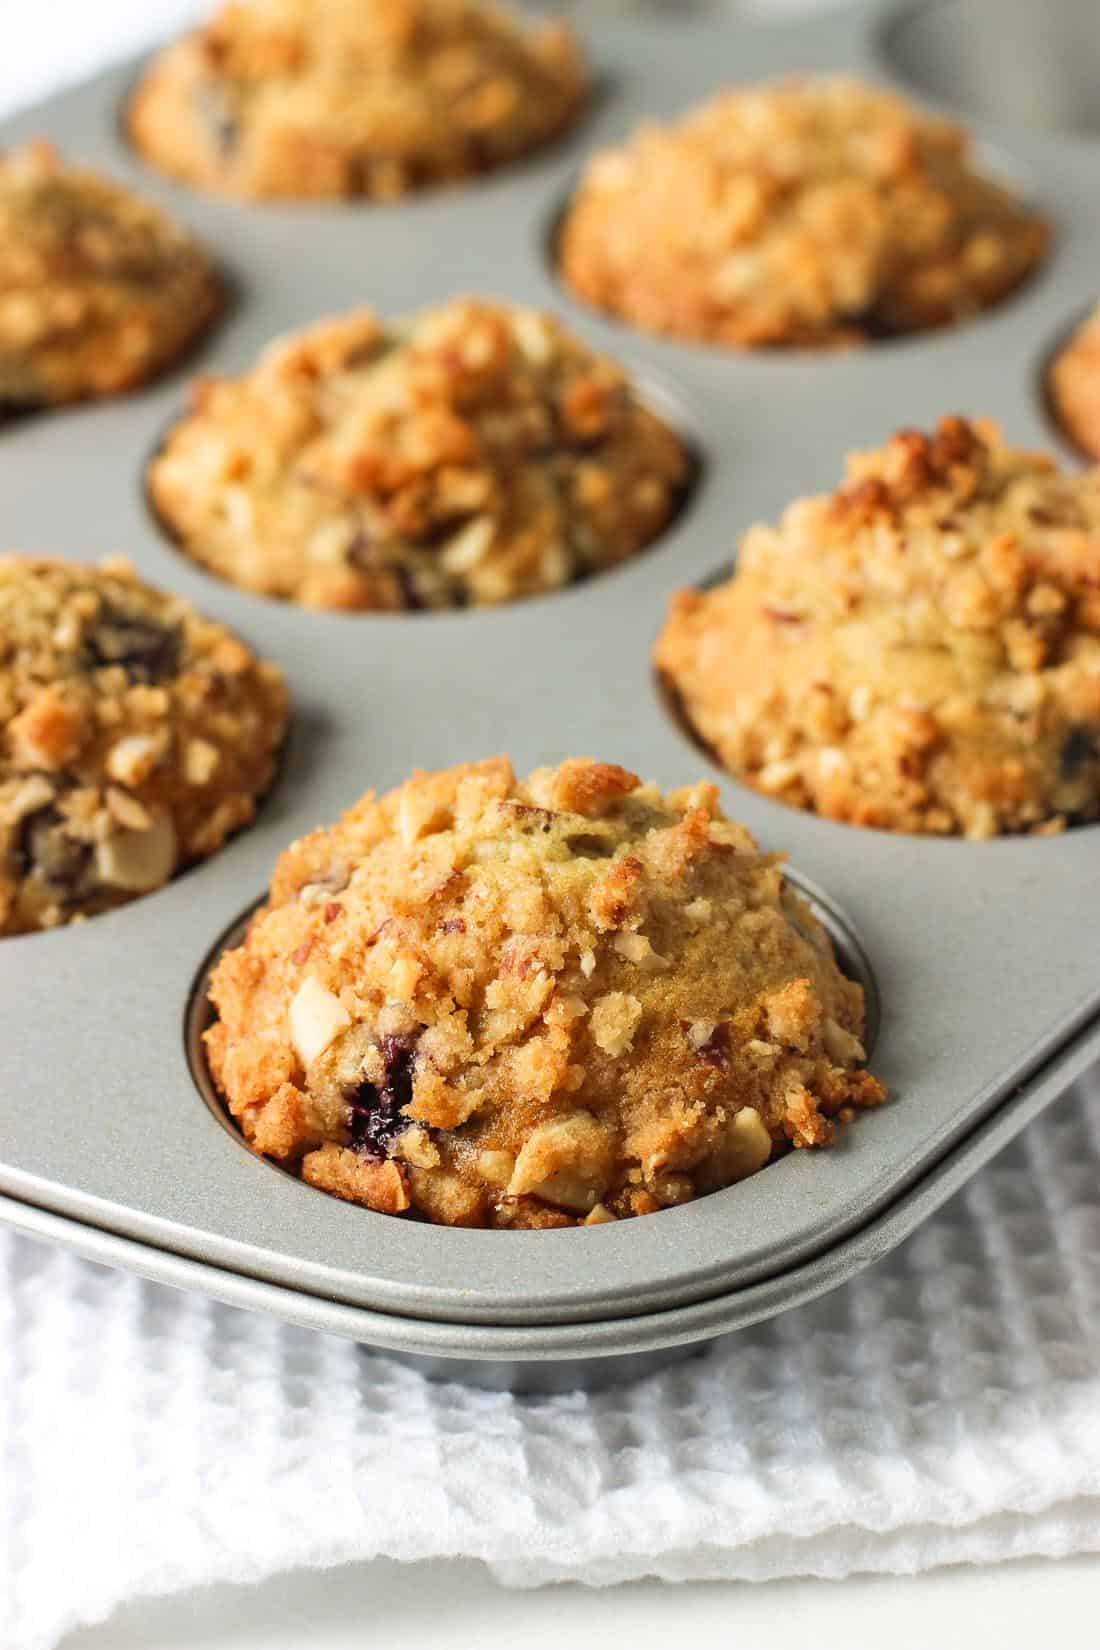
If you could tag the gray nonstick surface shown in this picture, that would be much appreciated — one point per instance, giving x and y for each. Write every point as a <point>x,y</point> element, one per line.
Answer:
<point>983,955</point>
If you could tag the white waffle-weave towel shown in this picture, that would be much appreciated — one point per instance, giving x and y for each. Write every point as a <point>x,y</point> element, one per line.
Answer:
<point>945,1406</point>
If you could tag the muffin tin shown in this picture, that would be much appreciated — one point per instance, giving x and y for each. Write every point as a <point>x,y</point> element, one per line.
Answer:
<point>982,955</point>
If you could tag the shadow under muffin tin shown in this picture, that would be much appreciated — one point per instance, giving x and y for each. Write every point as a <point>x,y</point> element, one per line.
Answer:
<point>981,955</point>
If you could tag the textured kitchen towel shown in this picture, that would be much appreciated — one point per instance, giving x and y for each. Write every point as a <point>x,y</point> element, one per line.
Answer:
<point>944,1406</point>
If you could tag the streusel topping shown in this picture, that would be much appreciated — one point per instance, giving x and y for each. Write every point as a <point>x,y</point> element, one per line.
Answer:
<point>315,98</point>
<point>919,650</point>
<point>564,1000</point>
<point>99,289</point>
<point>475,454</point>
<point>816,211</point>
<point>135,736</point>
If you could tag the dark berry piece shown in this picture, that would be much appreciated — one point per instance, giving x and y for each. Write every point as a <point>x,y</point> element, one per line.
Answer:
<point>362,552</point>
<point>43,845</point>
<point>147,652</point>
<point>716,1050</point>
<point>409,593</point>
<point>376,1108</point>
<point>1076,751</point>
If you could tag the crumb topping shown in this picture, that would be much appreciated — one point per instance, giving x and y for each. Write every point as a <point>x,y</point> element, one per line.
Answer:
<point>501,1012</point>
<point>99,289</point>
<point>816,211</point>
<point>135,737</point>
<point>918,651</point>
<point>320,98</point>
<point>476,454</point>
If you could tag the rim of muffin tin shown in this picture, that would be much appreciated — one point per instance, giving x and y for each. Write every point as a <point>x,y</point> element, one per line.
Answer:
<point>618,1291</point>
<point>691,1242</point>
<point>512,1344</point>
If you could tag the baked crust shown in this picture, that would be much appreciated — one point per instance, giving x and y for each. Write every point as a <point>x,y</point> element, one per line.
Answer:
<point>99,289</point>
<point>507,1003</point>
<point>135,736</point>
<point>307,99</point>
<point>918,651</point>
<point>817,212</point>
<point>475,454</point>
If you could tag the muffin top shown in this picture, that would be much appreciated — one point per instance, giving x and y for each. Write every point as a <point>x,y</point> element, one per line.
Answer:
<point>99,289</point>
<point>474,454</point>
<point>314,98</point>
<point>919,650</point>
<point>134,737</point>
<point>500,1003</point>
<point>815,211</point>
<point>1073,384</point>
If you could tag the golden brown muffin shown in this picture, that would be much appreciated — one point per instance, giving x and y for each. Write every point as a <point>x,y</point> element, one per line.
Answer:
<point>304,99</point>
<point>542,1003</point>
<point>816,212</point>
<point>135,736</point>
<point>475,454</point>
<point>1073,384</point>
<point>99,290</point>
<point>918,651</point>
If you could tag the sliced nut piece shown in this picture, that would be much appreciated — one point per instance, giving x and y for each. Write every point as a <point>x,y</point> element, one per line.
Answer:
<point>200,761</point>
<point>334,881</point>
<point>317,1017</point>
<point>565,1162</point>
<point>635,948</point>
<point>532,335</point>
<point>468,546</point>
<point>840,1045</point>
<point>496,1167</point>
<point>34,793</point>
<point>132,759</point>
<point>750,1143</point>
<point>600,1216</point>
<point>615,1018</point>
<point>700,1032</point>
<point>126,810</point>
<point>137,860</point>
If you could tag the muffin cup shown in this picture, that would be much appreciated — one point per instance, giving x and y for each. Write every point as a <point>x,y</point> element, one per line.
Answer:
<point>1003,60</point>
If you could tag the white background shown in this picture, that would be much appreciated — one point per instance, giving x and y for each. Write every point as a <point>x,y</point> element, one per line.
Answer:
<point>440,1606</point>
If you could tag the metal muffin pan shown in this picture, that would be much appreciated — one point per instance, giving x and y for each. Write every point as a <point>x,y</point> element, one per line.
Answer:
<point>983,955</point>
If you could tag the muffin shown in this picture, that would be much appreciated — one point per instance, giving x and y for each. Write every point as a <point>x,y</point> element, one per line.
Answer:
<point>475,454</point>
<point>99,290</point>
<point>1073,385</point>
<point>817,212</point>
<point>562,1001</point>
<point>135,736</point>
<point>918,651</point>
<point>307,99</point>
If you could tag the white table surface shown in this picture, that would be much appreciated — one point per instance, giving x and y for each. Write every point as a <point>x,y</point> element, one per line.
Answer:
<point>441,1606</point>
